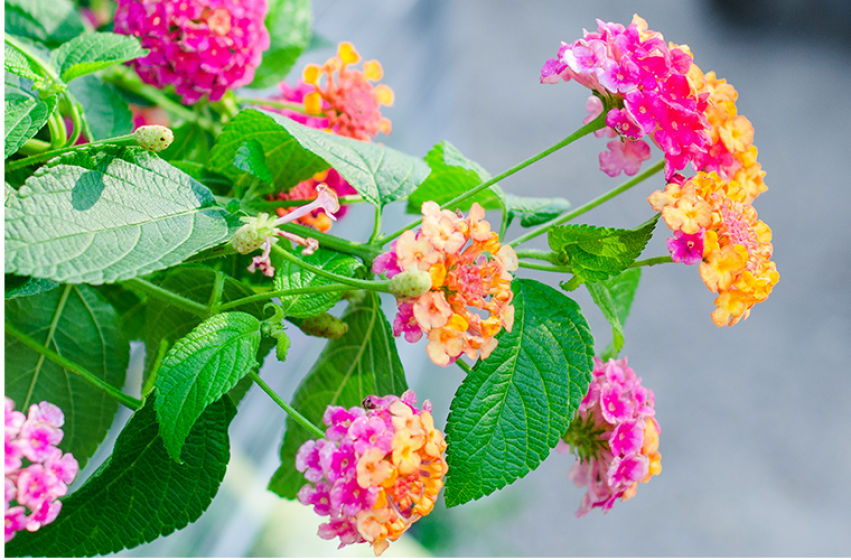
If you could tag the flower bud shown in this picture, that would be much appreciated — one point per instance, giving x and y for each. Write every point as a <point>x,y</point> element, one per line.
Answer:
<point>410,284</point>
<point>154,137</point>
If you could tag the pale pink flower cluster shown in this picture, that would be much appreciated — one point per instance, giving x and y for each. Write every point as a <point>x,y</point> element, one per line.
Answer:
<point>201,47</point>
<point>32,489</point>
<point>616,436</point>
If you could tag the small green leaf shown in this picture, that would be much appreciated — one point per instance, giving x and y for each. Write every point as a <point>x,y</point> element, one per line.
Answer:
<point>106,111</point>
<point>192,144</point>
<point>288,23</point>
<point>451,175</point>
<point>295,152</point>
<point>594,253</point>
<point>251,159</point>
<point>199,369</point>
<point>138,494</point>
<point>24,115</point>
<point>23,286</point>
<point>290,276</point>
<point>614,298</point>
<point>363,362</point>
<point>78,324</point>
<point>16,63</point>
<point>92,52</point>
<point>534,211</point>
<point>513,407</point>
<point>51,23</point>
<point>99,216</point>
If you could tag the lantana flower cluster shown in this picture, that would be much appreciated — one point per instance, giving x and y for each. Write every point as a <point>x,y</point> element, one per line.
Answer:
<point>377,471</point>
<point>36,472</point>
<point>459,264</point>
<point>201,47</point>
<point>615,435</point>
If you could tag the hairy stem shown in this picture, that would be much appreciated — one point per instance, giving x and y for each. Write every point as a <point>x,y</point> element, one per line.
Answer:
<point>278,293</point>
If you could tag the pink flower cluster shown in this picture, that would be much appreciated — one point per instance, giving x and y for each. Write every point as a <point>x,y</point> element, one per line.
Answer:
<point>202,47</point>
<point>379,470</point>
<point>47,474</point>
<point>646,81</point>
<point>616,436</point>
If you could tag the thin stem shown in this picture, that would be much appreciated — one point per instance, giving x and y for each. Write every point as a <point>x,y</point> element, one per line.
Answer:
<point>274,204</point>
<point>590,205</point>
<point>376,228</point>
<point>58,132</point>
<point>125,399</point>
<point>168,296</point>
<point>279,293</point>
<point>652,262</point>
<point>363,284</point>
<point>596,124</point>
<point>295,107</point>
<point>537,254</point>
<point>76,119</point>
<point>463,365</point>
<point>333,242</point>
<point>544,267</point>
<point>34,146</point>
<point>50,154</point>
<point>295,414</point>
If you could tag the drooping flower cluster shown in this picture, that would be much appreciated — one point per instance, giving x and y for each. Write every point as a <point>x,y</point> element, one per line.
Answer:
<point>379,469</point>
<point>201,47</point>
<point>615,435</point>
<point>442,270</point>
<point>36,472</point>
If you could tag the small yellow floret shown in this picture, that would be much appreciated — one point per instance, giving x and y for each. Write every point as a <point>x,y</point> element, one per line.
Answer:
<point>384,95</point>
<point>310,75</point>
<point>347,53</point>
<point>372,70</point>
<point>313,103</point>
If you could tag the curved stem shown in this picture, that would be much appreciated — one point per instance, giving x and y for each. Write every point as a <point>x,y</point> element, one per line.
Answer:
<point>278,293</point>
<point>544,267</point>
<point>363,284</point>
<point>295,414</point>
<point>376,228</point>
<point>76,119</point>
<point>128,139</point>
<point>58,132</point>
<point>538,254</point>
<point>125,399</point>
<point>463,365</point>
<point>652,262</point>
<point>329,241</point>
<point>170,297</point>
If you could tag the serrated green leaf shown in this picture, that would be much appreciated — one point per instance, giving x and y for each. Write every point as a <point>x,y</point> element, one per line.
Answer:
<point>99,216</point>
<point>78,324</point>
<point>106,112</point>
<point>92,52</point>
<point>251,159</point>
<point>191,143</point>
<point>614,298</point>
<point>363,362</point>
<point>514,406</point>
<point>138,494</point>
<point>24,115</point>
<point>594,253</point>
<point>295,152</point>
<point>51,23</point>
<point>199,369</point>
<point>534,211</point>
<point>16,63</point>
<point>23,286</point>
<point>290,276</point>
<point>451,175</point>
<point>288,22</point>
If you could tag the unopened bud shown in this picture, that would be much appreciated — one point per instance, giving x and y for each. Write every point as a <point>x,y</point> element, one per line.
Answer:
<point>251,236</point>
<point>322,326</point>
<point>410,284</point>
<point>154,137</point>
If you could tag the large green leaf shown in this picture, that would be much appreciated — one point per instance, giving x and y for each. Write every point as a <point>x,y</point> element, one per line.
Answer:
<point>93,52</point>
<point>24,115</point>
<point>363,362</point>
<point>534,211</point>
<point>199,369</point>
<point>78,324</point>
<point>290,276</point>
<point>107,114</point>
<point>288,23</point>
<point>51,22</point>
<point>514,406</point>
<point>138,494</point>
<point>614,298</point>
<point>109,214</point>
<point>594,253</point>
<point>295,152</point>
<point>191,143</point>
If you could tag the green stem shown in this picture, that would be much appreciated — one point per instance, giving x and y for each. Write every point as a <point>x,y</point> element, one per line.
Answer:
<point>279,293</point>
<point>333,242</point>
<point>363,284</point>
<point>76,119</point>
<point>168,296</point>
<point>566,269</point>
<point>128,139</point>
<point>376,228</point>
<point>537,254</point>
<point>58,132</point>
<point>34,146</point>
<point>125,399</point>
<point>652,262</point>
<point>48,71</point>
<point>463,365</point>
<point>295,414</point>
<point>296,107</point>
<point>596,124</point>
<point>544,228</point>
<point>264,205</point>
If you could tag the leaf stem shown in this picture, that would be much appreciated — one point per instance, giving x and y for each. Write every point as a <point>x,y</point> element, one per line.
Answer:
<point>125,140</point>
<point>76,118</point>
<point>278,293</point>
<point>544,228</point>
<point>295,414</point>
<point>58,132</point>
<point>376,228</point>
<point>168,296</point>
<point>538,254</point>
<point>125,399</point>
<point>355,282</point>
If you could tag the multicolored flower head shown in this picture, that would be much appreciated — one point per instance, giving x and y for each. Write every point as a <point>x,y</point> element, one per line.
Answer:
<point>201,47</point>
<point>36,472</point>
<point>469,268</point>
<point>615,435</point>
<point>377,471</point>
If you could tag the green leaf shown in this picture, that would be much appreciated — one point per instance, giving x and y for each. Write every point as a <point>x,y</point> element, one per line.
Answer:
<point>16,63</point>
<point>78,324</point>
<point>451,175</point>
<point>288,23</point>
<point>251,159</point>
<point>290,276</point>
<point>24,115</point>
<point>92,52</point>
<point>513,407</point>
<point>534,211</point>
<point>295,152</point>
<point>138,494</point>
<point>99,216</point>
<point>199,369</point>
<point>51,23</point>
<point>614,298</point>
<point>594,253</point>
<point>129,305</point>
<point>23,286</point>
<point>105,110</point>
<point>191,143</point>
<point>363,362</point>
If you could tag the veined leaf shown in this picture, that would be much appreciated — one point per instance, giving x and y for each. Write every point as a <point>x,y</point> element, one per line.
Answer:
<point>251,159</point>
<point>290,276</point>
<point>109,214</point>
<point>106,111</point>
<point>92,52</point>
<point>514,406</point>
<point>138,494</point>
<point>16,63</point>
<point>23,286</point>
<point>51,23</point>
<point>363,362</point>
<point>614,298</point>
<point>76,323</point>
<point>24,115</point>
<point>534,211</point>
<point>594,253</point>
<point>289,23</point>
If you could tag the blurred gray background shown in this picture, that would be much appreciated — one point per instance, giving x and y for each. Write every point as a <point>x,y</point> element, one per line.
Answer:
<point>756,431</point>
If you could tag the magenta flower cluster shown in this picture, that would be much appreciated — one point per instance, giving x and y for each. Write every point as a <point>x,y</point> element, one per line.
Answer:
<point>201,47</point>
<point>646,80</point>
<point>34,488</point>
<point>615,435</point>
